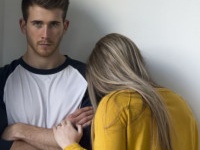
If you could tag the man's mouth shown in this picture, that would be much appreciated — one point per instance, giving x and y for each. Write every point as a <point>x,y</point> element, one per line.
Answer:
<point>45,43</point>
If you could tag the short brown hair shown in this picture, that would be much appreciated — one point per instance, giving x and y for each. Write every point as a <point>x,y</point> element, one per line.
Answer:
<point>48,4</point>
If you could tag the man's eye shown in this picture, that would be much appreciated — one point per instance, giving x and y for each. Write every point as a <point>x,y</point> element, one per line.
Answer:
<point>54,24</point>
<point>37,24</point>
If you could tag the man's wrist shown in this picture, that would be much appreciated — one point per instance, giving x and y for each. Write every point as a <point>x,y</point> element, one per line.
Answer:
<point>19,131</point>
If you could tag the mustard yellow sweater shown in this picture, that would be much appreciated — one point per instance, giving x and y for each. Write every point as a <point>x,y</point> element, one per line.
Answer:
<point>123,122</point>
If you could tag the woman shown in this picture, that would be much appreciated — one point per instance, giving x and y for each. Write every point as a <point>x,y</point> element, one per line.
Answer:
<point>132,111</point>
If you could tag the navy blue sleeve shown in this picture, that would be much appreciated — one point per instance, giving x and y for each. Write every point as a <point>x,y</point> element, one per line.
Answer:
<point>4,145</point>
<point>86,139</point>
<point>86,100</point>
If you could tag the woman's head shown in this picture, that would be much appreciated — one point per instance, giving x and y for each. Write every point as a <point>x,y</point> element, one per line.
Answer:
<point>113,63</point>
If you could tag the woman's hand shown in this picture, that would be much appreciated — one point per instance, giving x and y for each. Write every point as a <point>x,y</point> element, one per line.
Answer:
<point>65,133</point>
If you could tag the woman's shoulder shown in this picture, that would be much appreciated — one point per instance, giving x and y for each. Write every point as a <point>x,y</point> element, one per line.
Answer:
<point>174,100</point>
<point>122,98</point>
<point>121,104</point>
<point>170,96</point>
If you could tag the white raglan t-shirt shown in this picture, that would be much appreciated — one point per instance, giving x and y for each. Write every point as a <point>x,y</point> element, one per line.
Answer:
<point>43,99</point>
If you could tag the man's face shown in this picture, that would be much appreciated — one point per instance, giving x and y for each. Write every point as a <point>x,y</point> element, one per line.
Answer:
<point>44,30</point>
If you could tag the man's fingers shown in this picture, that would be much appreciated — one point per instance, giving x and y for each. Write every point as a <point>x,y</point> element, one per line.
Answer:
<point>87,124</point>
<point>82,116</point>
<point>82,119</point>
<point>85,119</point>
<point>78,112</point>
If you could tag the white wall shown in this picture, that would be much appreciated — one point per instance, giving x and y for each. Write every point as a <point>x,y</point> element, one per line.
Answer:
<point>166,31</point>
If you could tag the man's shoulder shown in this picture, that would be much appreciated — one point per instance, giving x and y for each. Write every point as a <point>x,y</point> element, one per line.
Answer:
<point>75,62</point>
<point>9,68</point>
<point>80,66</point>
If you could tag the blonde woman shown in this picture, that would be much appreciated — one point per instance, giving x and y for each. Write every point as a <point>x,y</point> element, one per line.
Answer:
<point>132,111</point>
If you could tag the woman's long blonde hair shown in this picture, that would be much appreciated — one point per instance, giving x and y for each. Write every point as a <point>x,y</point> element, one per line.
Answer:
<point>116,64</point>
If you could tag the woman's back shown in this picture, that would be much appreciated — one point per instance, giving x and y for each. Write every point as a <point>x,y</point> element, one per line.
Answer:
<point>123,122</point>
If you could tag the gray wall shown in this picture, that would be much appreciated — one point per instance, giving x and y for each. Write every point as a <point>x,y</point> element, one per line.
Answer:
<point>13,40</point>
<point>1,31</point>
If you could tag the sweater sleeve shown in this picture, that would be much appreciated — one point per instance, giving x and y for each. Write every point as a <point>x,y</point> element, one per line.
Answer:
<point>74,146</point>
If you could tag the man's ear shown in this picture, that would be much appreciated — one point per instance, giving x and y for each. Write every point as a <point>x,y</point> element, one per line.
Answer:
<point>22,24</point>
<point>66,25</point>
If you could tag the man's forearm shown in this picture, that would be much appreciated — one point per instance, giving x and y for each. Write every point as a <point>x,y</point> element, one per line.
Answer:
<point>40,138</point>
<point>21,145</point>
<point>44,147</point>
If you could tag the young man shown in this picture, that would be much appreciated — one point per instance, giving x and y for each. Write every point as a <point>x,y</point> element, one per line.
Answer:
<point>40,89</point>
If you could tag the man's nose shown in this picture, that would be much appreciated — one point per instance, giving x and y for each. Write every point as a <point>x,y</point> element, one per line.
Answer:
<point>45,32</point>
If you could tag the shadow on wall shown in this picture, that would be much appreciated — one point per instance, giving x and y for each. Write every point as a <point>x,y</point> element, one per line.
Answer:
<point>82,34</point>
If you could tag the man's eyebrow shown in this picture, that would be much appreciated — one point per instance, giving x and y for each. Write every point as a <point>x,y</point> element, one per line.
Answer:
<point>40,21</point>
<point>55,22</point>
<point>36,21</point>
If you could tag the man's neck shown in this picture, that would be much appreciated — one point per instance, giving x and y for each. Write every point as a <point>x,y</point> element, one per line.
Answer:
<point>44,62</point>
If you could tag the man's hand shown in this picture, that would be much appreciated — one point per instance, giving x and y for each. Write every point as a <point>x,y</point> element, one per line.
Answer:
<point>11,131</point>
<point>82,116</point>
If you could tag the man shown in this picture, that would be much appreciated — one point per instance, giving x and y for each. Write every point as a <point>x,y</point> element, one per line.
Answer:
<point>40,89</point>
